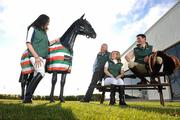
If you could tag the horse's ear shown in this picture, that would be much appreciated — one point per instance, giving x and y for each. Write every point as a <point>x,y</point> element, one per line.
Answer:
<point>82,16</point>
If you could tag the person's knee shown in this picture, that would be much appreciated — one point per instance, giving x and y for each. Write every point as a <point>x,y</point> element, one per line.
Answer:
<point>159,60</point>
<point>132,64</point>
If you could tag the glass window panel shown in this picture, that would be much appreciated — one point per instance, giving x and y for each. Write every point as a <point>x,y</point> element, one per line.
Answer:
<point>178,50</point>
<point>175,77</point>
<point>171,51</point>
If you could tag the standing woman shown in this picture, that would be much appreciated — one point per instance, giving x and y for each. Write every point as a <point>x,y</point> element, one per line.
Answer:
<point>98,71</point>
<point>114,73</point>
<point>37,44</point>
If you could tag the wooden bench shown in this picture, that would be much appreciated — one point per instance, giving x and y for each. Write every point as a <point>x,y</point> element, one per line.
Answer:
<point>160,86</point>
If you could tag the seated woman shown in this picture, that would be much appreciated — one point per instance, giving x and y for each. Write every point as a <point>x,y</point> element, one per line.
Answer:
<point>114,73</point>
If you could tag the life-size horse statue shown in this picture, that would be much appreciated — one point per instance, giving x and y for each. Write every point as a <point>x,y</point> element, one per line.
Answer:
<point>59,59</point>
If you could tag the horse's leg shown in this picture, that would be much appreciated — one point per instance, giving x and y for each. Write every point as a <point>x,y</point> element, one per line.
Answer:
<point>22,79</point>
<point>54,80</point>
<point>63,80</point>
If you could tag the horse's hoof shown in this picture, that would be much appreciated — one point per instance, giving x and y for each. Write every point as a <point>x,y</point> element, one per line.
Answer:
<point>27,101</point>
<point>85,101</point>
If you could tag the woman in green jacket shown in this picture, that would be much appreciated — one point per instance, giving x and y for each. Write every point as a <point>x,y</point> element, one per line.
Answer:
<point>114,74</point>
<point>37,44</point>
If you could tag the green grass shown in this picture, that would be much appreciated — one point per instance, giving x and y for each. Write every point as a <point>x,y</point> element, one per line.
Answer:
<point>74,110</point>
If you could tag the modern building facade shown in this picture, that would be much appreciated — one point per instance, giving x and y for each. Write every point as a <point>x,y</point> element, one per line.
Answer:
<point>165,36</point>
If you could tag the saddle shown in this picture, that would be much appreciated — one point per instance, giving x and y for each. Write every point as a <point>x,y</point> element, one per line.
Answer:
<point>170,63</point>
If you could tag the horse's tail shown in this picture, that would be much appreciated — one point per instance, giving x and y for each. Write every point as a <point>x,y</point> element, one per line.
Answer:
<point>26,66</point>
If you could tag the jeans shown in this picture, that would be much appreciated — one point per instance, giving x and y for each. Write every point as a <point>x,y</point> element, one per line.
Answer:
<point>97,75</point>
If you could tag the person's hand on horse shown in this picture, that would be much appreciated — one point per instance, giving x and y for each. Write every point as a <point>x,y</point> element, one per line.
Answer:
<point>146,59</point>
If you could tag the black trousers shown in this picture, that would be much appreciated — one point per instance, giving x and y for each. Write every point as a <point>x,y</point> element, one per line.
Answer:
<point>97,76</point>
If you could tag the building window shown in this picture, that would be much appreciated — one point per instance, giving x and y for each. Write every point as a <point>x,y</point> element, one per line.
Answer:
<point>175,77</point>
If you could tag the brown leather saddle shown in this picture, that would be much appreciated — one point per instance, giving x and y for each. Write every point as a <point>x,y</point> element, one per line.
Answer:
<point>170,63</point>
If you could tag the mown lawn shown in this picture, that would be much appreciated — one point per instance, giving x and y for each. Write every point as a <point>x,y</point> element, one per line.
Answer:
<point>74,110</point>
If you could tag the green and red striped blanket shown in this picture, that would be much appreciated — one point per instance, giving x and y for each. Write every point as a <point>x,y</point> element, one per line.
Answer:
<point>59,60</point>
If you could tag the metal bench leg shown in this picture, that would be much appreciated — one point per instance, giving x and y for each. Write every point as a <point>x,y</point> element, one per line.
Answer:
<point>102,97</point>
<point>161,95</point>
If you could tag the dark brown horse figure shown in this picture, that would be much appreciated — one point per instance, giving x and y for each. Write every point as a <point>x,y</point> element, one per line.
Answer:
<point>60,56</point>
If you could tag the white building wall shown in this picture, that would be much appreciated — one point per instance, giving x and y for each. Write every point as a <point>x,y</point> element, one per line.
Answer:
<point>166,31</point>
<point>162,35</point>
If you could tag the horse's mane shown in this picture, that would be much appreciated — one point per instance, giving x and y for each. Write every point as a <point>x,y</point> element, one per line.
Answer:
<point>62,38</point>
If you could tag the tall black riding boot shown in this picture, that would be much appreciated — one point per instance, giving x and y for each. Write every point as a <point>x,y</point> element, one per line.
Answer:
<point>31,88</point>
<point>112,95</point>
<point>143,79</point>
<point>121,96</point>
<point>29,79</point>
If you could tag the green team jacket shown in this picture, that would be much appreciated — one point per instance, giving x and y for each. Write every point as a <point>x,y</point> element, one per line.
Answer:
<point>101,59</point>
<point>114,69</point>
<point>140,53</point>
<point>40,42</point>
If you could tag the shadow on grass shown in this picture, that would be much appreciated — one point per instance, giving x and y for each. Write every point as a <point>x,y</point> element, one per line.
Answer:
<point>161,110</point>
<point>170,109</point>
<point>35,111</point>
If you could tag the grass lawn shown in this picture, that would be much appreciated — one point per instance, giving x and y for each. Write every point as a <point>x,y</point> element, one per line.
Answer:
<point>75,110</point>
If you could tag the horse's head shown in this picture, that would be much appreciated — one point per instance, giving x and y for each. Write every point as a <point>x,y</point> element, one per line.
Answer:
<point>85,28</point>
<point>80,27</point>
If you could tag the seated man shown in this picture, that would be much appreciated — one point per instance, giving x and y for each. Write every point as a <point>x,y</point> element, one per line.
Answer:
<point>141,53</point>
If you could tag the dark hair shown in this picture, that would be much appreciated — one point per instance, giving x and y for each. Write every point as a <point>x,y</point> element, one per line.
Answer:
<point>40,21</point>
<point>141,35</point>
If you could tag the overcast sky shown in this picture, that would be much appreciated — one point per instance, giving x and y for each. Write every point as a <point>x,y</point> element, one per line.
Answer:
<point>116,23</point>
